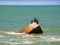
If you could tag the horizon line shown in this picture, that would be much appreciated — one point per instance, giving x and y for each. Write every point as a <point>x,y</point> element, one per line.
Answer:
<point>29,3</point>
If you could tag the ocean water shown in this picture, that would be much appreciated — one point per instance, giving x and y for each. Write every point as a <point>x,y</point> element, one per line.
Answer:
<point>13,18</point>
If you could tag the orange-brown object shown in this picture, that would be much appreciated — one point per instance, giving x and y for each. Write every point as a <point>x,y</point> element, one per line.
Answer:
<point>32,28</point>
<point>28,28</point>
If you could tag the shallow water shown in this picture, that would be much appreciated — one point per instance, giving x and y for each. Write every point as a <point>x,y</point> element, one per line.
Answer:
<point>12,38</point>
<point>13,18</point>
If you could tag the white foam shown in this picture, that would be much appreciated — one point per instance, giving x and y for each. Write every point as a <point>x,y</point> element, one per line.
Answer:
<point>14,33</point>
<point>23,42</point>
<point>2,36</point>
<point>31,36</point>
<point>50,38</point>
<point>43,38</point>
<point>27,42</point>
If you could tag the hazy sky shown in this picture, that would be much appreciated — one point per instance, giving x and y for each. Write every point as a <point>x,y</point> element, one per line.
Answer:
<point>29,2</point>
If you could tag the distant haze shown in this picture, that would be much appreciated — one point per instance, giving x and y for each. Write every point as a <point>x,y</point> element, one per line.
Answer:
<point>29,2</point>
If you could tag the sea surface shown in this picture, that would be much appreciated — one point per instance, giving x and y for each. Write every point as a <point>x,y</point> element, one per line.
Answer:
<point>13,18</point>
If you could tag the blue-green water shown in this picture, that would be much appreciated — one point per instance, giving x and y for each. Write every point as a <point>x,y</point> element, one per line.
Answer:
<point>13,18</point>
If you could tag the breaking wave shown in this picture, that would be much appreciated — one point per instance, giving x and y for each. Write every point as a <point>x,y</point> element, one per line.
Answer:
<point>22,38</point>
